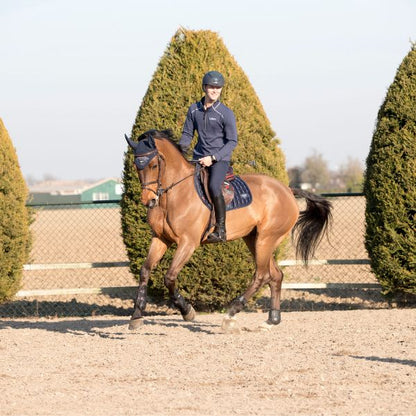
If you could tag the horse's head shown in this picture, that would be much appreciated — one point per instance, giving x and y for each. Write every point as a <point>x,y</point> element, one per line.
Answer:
<point>147,162</point>
<point>158,160</point>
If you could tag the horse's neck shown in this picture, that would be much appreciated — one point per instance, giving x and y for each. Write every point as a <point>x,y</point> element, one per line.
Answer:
<point>176,167</point>
<point>177,170</point>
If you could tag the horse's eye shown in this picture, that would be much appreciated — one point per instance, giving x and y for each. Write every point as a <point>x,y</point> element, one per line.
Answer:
<point>153,167</point>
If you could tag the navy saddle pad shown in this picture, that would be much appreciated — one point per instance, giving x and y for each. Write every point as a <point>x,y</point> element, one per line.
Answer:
<point>242,193</point>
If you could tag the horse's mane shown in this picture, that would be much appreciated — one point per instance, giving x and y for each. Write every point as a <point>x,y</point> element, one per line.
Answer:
<point>163,134</point>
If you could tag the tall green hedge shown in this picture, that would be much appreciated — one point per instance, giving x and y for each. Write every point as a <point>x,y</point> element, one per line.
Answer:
<point>14,219</point>
<point>390,185</point>
<point>176,83</point>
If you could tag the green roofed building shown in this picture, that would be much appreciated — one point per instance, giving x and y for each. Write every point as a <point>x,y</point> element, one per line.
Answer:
<point>58,193</point>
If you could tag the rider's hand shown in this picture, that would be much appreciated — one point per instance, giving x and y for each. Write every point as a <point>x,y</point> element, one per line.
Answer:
<point>206,161</point>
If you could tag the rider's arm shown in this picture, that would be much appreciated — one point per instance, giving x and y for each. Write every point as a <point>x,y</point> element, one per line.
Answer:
<point>230,137</point>
<point>187,132</point>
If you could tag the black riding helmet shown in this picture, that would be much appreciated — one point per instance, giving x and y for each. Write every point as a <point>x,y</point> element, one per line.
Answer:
<point>213,78</point>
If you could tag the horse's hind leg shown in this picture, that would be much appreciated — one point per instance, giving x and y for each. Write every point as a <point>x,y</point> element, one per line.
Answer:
<point>229,324</point>
<point>239,303</point>
<point>261,254</point>
<point>275,284</point>
<point>266,272</point>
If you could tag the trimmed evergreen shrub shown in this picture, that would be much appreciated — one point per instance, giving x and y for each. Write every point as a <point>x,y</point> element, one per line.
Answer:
<point>14,219</point>
<point>216,274</point>
<point>390,185</point>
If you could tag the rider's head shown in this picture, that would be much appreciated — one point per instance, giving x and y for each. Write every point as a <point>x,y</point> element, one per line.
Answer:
<point>213,78</point>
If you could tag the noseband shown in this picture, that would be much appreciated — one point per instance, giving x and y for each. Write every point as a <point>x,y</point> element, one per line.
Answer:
<point>159,190</point>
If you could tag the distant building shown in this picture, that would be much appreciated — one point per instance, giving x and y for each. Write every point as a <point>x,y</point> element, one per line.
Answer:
<point>105,190</point>
<point>81,193</point>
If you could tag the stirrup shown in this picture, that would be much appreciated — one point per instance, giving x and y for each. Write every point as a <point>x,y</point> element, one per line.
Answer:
<point>218,235</point>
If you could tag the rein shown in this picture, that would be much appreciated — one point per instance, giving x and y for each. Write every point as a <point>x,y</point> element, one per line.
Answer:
<point>159,190</point>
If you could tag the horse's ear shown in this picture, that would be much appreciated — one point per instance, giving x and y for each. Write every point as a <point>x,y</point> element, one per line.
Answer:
<point>131,143</point>
<point>151,139</point>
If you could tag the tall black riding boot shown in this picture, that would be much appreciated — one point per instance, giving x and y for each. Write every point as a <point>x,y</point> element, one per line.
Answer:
<point>219,234</point>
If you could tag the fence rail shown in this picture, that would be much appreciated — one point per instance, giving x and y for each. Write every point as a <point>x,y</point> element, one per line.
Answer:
<point>97,290</point>
<point>79,262</point>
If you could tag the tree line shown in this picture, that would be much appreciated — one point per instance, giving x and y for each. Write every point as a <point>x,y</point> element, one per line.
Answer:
<point>314,174</point>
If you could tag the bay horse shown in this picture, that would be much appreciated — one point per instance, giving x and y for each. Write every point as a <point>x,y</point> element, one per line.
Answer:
<point>177,215</point>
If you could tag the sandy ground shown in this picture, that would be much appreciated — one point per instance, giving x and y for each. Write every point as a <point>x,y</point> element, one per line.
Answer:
<point>356,362</point>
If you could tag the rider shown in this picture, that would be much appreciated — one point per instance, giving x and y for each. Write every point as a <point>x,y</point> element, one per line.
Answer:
<point>217,138</point>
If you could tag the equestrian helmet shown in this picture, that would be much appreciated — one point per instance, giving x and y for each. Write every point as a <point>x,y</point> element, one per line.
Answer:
<point>213,78</point>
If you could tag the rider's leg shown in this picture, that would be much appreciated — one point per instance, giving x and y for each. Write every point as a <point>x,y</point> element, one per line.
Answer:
<point>217,174</point>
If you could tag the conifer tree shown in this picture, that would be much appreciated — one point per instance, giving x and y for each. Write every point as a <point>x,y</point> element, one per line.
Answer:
<point>176,84</point>
<point>390,185</point>
<point>14,219</point>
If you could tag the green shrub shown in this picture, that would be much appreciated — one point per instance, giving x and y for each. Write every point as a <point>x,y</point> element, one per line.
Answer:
<point>390,185</point>
<point>14,219</point>
<point>218,273</point>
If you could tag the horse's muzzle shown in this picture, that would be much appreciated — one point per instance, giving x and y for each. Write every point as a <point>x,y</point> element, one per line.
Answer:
<point>152,203</point>
<point>149,198</point>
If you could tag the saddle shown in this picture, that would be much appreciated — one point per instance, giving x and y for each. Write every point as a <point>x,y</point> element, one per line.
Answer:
<point>235,191</point>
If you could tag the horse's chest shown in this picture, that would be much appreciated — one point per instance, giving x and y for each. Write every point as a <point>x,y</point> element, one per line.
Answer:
<point>157,220</point>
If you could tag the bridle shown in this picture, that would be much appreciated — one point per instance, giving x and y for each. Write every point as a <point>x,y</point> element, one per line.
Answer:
<point>159,189</point>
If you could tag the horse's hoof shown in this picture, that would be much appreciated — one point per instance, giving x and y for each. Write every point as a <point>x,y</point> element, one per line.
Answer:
<point>229,325</point>
<point>190,316</point>
<point>274,317</point>
<point>135,323</point>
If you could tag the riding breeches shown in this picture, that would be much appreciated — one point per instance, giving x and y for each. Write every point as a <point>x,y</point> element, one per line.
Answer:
<point>217,173</point>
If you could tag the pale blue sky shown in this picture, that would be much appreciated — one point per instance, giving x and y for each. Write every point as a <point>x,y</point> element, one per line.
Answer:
<point>73,72</point>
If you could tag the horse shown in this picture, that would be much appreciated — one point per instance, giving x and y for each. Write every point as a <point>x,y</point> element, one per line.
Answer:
<point>177,215</point>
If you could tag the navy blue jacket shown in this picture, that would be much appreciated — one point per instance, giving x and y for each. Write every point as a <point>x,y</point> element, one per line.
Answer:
<point>216,128</point>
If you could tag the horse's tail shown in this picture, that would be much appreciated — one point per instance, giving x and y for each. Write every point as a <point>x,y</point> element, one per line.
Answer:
<point>312,224</point>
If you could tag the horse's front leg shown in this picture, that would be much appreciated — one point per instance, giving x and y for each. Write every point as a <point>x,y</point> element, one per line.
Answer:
<point>182,255</point>
<point>157,249</point>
